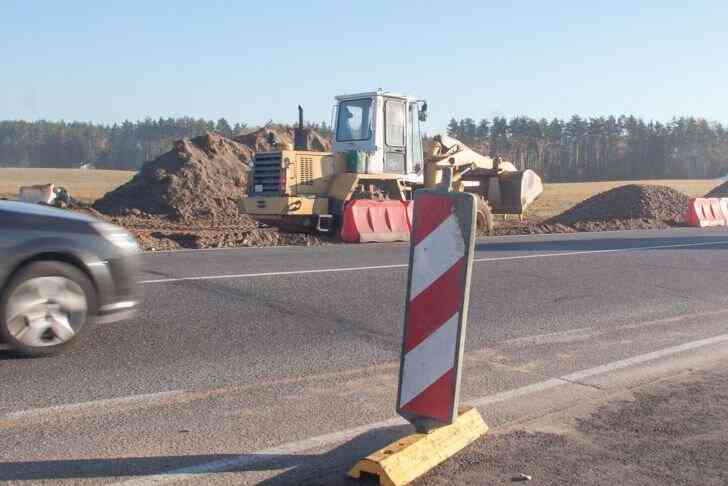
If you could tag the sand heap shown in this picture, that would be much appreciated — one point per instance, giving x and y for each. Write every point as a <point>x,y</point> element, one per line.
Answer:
<point>199,179</point>
<point>279,138</point>
<point>626,207</point>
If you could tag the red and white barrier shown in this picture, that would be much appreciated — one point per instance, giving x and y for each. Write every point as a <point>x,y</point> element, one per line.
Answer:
<point>368,221</point>
<point>703,212</point>
<point>443,235</point>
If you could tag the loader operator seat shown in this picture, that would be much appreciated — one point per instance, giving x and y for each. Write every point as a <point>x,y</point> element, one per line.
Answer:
<point>347,130</point>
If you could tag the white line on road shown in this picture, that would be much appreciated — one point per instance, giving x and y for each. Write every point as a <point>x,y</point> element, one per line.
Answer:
<point>75,408</point>
<point>256,457</point>
<point>405,265</point>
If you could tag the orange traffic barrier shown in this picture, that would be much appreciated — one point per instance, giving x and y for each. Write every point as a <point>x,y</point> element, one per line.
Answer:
<point>719,218</point>
<point>367,221</point>
<point>707,211</point>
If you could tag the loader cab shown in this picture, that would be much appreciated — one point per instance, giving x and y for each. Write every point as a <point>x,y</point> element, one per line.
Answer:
<point>382,131</point>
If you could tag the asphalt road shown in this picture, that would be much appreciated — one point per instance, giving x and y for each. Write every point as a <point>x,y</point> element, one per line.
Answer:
<point>249,355</point>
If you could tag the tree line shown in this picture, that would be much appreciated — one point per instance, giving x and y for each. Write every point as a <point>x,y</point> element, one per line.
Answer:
<point>603,148</point>
<point>123,146</point>
<point>119,146</point>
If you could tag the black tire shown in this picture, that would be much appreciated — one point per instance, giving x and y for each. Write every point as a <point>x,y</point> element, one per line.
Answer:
<point>484,220</point>
<point>76,319</point>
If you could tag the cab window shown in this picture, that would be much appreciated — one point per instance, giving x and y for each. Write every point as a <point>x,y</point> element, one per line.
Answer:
<point>354,120</point>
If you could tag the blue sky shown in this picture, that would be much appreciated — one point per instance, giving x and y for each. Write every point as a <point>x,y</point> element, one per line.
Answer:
<point>246,61</point>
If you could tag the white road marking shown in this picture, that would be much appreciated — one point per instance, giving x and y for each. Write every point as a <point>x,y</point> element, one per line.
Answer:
<point>84,407</point>
<point>247,460</point>
<point>405,265</point>
<point>275,274</point>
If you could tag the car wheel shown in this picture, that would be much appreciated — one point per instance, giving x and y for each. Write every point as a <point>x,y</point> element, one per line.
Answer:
<point>44,307</point>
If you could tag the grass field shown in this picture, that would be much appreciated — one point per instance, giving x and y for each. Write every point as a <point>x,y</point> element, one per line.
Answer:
<point>86,185</point>
<point>89,185</point>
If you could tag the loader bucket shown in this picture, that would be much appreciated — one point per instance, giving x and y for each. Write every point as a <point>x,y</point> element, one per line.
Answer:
<point>516,191</point>
<point>366,221</point>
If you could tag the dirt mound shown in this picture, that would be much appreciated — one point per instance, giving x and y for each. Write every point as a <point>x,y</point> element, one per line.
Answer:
<point>626,207</point>
<point>160,233</point>
<point>277,138</point>
<point>199,179</point>
<point>188,197</point>
<point>720,191</point>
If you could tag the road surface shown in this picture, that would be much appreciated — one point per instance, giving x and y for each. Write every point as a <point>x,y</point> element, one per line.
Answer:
<point>280,364</point>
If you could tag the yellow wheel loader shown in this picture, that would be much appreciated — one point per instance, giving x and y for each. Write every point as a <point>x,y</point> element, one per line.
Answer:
<point>362,189</point>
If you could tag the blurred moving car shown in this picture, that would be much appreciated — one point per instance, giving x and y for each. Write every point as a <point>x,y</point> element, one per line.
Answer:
<point>58,271</point>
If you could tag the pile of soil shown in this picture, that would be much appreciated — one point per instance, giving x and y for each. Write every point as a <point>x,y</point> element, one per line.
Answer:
<point>199,179</point>
<point>720,191</point>
<point>189,197</point>
<point>279,138</point>
<point>158,233</point>
<point>509,228</point>
<point>626,207</point>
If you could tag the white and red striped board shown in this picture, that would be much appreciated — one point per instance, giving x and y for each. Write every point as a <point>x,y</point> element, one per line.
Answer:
<point>441,256</point>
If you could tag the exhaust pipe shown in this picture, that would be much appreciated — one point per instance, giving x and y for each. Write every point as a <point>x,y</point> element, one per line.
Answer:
<point>299,135</point>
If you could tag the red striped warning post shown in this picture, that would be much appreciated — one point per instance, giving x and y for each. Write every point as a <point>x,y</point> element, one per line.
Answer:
<point>440,262</point>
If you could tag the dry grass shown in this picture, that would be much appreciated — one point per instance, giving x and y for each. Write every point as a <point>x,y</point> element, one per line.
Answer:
<point>558,197</point>
<point>86,185</point>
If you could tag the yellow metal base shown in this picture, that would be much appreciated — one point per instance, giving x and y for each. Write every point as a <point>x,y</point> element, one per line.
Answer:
<point>414,455</point>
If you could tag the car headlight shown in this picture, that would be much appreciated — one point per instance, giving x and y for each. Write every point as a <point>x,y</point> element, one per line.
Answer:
<point>116,235</point>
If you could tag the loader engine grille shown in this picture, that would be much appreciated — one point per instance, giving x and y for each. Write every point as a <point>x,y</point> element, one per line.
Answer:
<point>306,171</point>
<point>267,173</point>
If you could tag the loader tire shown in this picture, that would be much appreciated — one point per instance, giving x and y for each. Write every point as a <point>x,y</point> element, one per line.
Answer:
<point>484,218</point>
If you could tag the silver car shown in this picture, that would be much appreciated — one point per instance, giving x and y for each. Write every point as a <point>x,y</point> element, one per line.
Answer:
<point>58,271</point>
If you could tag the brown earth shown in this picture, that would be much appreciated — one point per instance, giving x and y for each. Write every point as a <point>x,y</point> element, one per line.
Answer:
<point>621,208</point>
<point>188,198</point>
<point>626,207</point>
<point>199,179</point>
<point>158,233</point>
<point>260,140</point>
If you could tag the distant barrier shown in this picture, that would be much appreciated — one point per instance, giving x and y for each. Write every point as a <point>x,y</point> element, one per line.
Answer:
<point>368,221</point>
<point>703,212</point>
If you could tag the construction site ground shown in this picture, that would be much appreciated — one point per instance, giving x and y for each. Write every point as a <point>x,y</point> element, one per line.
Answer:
<point>89,185</point>
<point>163,232</point>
